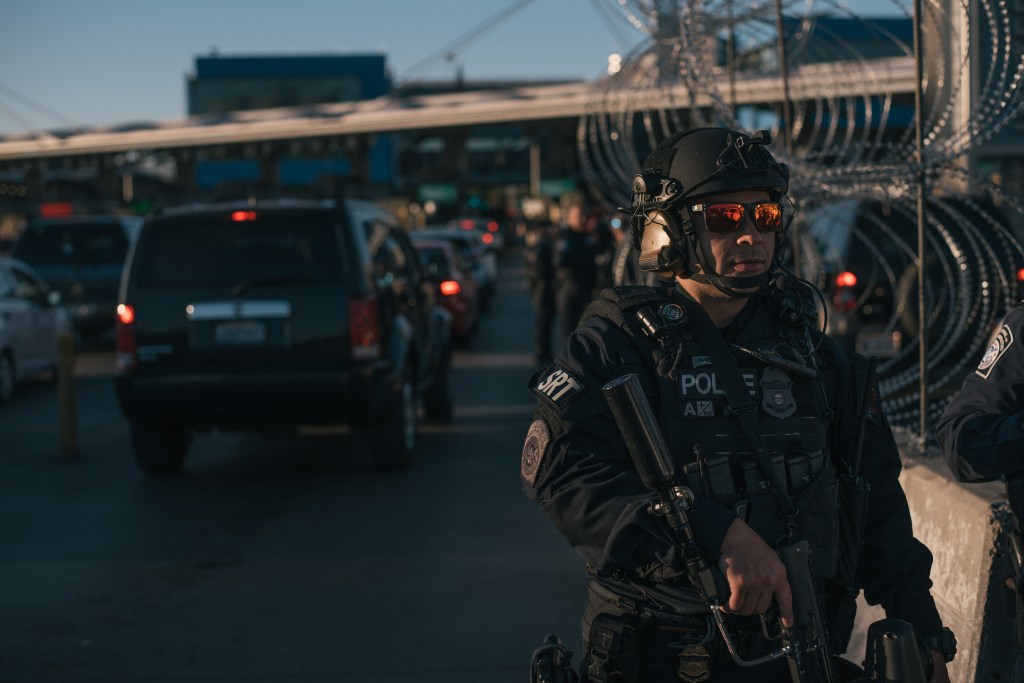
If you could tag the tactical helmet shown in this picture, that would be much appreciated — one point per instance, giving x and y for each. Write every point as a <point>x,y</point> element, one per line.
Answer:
<point>691,164</point>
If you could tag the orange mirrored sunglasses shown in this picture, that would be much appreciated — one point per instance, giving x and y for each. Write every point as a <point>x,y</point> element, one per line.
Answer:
<point>727,217</point>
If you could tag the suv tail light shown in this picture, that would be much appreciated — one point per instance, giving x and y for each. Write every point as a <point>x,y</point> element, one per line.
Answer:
<point>450,287</point>
<point>364,328</point>
<point>844,296</point>
<point>126,356</point>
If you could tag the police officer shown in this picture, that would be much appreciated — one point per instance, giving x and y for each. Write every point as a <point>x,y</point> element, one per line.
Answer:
<point>762,461</point>
<point>981,431</point>
<point>540,276</point>
<point>575,261</point>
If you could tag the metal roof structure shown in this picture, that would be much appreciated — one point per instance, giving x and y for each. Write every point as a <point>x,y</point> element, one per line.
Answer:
<point>470,108</point>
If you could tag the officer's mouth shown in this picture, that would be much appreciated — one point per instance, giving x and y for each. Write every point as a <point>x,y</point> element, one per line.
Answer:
<point>748,266</point>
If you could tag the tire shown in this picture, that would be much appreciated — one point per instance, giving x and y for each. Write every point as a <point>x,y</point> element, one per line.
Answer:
<point>393,441</point>
<point>160,447</point>
<point>439,399</point>
<point>6,378</point>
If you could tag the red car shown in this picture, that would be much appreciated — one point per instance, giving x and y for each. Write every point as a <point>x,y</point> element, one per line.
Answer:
<point>456,289</point>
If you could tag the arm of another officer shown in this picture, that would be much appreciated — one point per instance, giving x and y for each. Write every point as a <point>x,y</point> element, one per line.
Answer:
<point>980,431</point>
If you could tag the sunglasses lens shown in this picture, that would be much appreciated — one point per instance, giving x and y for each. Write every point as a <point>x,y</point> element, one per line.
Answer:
<point>723,217</point>
<point>768,217</point>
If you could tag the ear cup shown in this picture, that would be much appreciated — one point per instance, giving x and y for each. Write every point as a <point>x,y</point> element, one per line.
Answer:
<point>660,250</point>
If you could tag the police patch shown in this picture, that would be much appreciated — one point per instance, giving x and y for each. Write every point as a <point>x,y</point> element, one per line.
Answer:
<point>777,393</point>
<point>1001,341</point>
<point>558,387</point>
<point>534,447</point>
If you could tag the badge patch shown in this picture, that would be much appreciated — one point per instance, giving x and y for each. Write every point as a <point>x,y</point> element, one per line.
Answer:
<point>534,447</point>
<point>559,386</point>
<point>777,393</point>
<point>996,348</point>
<point>693,664</point>
<point>699,409</point>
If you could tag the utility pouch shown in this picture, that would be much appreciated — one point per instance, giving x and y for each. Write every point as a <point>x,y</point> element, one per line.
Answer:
<point>818,521</point>
<point>612,650</point>
<point>853,511</point>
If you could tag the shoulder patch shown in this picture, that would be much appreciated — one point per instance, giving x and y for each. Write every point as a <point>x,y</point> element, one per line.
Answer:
<point>534,448</point>
<point>557,386</point>
<point>1001,341</point>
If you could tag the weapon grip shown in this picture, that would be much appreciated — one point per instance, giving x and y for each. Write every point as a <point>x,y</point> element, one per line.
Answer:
<point>810,659</point>
<point>637,423</point>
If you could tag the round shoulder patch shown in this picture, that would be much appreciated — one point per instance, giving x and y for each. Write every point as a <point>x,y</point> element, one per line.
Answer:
<point>534,448</point>
<point>1001,341</point>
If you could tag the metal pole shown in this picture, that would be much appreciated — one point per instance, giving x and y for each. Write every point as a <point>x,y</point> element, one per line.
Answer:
<point>787,119</point>
<point>922,323</point>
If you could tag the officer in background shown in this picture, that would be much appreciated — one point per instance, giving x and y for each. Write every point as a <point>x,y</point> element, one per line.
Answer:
<point>575,265</point>
<point>708,212</point>
<point>538,253</point>
<point>981,431</point>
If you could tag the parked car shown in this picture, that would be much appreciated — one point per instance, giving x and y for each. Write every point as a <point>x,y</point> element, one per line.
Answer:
<point>456,288</point>
<point>31,319</point>
<point>81,257</point>
<point>278,314</point>
<point>482,261</point>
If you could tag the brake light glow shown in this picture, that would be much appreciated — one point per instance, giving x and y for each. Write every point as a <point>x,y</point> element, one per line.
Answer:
<point>1020,275</point>
<point>450,287</point>
<point>846,279</point>
<point>364,331</point>
<point>493,226</point>
<point>239,216</point>
<point>467,224</point>
<point>125,314</point>
<point>487,238</point>
<point>126,357</point>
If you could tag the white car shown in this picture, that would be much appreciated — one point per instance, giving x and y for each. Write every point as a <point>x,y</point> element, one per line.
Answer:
<point>31,319</point>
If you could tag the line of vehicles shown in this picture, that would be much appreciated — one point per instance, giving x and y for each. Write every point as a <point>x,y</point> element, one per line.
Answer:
<point>254,315</point>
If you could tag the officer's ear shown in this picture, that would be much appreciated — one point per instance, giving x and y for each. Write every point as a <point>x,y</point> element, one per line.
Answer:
<point>660,244</point>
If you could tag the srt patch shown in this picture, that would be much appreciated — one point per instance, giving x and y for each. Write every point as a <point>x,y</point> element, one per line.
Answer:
<point>558,387</point>
<point>535,446</point>
<point>996,348</point>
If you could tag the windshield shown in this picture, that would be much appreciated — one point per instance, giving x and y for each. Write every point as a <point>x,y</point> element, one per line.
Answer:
<point>74,244</point>
<point>215,252</point>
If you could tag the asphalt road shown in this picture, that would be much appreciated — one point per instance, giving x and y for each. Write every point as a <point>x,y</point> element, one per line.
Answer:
<point>283,559</point>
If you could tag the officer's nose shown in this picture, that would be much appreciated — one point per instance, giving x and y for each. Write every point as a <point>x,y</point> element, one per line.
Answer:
<point>748,232</point>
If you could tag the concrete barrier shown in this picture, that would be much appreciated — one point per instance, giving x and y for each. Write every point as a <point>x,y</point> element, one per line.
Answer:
<point>965,526</point>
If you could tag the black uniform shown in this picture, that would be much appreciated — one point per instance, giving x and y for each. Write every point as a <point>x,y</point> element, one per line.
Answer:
<point>980,432</point>
<point>643,615</point>
<point>575,276</point>
<point>540,275</point>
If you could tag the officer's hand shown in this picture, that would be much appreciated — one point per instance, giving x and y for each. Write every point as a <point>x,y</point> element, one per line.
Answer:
<point>940,675</point>
<point>755,574</point>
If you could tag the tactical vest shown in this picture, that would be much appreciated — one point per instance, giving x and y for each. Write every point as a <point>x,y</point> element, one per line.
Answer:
<point>707,438</point>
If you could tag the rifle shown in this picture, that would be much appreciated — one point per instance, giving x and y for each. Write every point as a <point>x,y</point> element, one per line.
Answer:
<point>805,644</point>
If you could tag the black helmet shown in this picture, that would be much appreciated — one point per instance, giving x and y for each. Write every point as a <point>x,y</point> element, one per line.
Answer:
<point>690,164</point>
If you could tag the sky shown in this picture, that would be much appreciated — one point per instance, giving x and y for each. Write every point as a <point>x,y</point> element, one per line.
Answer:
<point>86,63</point>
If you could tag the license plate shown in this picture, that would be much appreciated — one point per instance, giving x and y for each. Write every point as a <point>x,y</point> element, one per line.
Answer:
<point>880,344</point>
<point>240,333</point>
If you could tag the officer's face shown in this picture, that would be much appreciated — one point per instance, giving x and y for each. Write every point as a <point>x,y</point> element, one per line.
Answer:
<point>744,252</point>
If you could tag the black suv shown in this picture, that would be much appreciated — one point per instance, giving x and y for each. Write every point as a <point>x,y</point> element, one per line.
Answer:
<point>81,257</point>
<point>284,313</point>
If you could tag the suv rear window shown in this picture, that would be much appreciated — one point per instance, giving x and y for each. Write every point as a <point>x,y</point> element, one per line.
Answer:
<point>53,244</point>
<point>215,252</point>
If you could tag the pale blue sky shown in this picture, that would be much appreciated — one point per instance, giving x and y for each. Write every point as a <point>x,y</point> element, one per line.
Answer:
<point>104,62</point>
